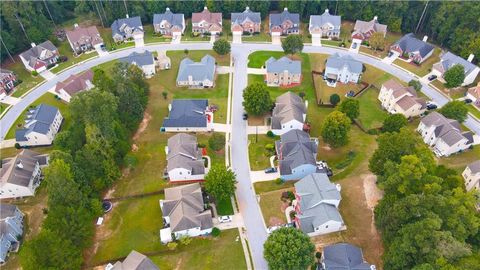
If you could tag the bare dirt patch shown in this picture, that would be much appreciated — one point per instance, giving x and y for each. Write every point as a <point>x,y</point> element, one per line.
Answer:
<point>275,221</point>
<point>143,125</point>
<point>372,193</point>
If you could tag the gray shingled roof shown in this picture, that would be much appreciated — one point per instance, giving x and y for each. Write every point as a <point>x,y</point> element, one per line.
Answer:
<point>133,22</point>
<point>277,66</point>
<point>446,129</point>
<point>183,152</point>
<point>295,148</point>
<point>203,70</point>
<point>318,215</point>
<point>277,19</point>
<point>366,26</point>
<point>344,256</point>
<point>474,166</point>
<point>139,59</point>
<point>38,120</point>
<point>19,170</point>
<point>187,113</point>
<point>338,62</point>
<point>135,261</point>
<point>449,59</point>
<point>315,188</point>
<point>7,210</point>
<point>288,106</point>
<point>32,54</point>
<point>175,19</point>
<point>326,17</point>
<point>409,43</point>
<point>240,18</point>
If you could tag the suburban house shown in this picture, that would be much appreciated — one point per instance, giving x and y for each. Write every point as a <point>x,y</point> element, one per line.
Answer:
<point>169,24</point>
<point>289,113</point>
<point>444,135</point>
<point>344,256</point>
<point>396,98</point>
<point>127,29</point>
<point>325,25</point>
<point>83,39</point>
<point>134,261</point>
<point>364,30</point>
<point>342,69</point>
<point>207,22</point>
<point>144,61</point>
<point>21,175</point>
<point>448,60</point>
<point>471,175</point>
<point>7,82</point>
<point>162,60</point>
<point>283,72</point>
<point>412,48</point>
<point>247,21</point>
<point>188,115</point>
<point>316,205</point>
<point>184,213</point>
<point>11,230</point>
<point>197,74</point>
<point>284,23</point>
<point>473,93</point>
<point>296,153</point>
<point>74,84</point>
<point>184,158</point>
<point>40,57</point>
<point>41,126</point>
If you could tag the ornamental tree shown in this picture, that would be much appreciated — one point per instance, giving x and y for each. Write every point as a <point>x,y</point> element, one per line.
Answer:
<point>334,99</point>
<point>455,110</point>
<point>350,107</point>
<point>454,76</point>
<point>216,141</point>
<point>394,122</point>
<point>292,44</point>
<point>288,249</point>
<point>256,99</point>
<point>377,41</point>
<point>220,182</point>
<point>335,129</point>
<point>221,46</point>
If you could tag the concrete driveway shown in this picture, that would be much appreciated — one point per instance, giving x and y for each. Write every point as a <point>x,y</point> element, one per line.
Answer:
<point>10,100</point>
<point>47,75</point>
<point>237,222</point>
<point>261,176</point>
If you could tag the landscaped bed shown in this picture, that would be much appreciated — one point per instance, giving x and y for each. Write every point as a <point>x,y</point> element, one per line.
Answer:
<point>422,69</point>
<point>273,208</point>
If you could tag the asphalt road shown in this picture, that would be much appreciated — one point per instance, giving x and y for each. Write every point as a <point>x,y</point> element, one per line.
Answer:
<point>256,231</point>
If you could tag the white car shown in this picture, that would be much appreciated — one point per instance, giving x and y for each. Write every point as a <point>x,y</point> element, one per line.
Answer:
<point>225,219</point>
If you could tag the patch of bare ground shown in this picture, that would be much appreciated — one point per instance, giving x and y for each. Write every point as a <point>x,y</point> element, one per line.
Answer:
<point>143,125</point>
<point>275,221</point>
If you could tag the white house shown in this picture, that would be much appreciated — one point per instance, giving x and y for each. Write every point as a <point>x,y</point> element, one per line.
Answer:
<point>11,230</point>
<point>448,60</point>
<point>396,98</point>
<point>41,126</point>
<point>20,176</point>
<point>444,135</point>
<point>471,175</point>
<point>289,113</point>
<point>74,84</point>
<point>184,213</point>
<point>342,69</point>
<point>144,61</point>
<point>316,205</point>
<point>184,159</point>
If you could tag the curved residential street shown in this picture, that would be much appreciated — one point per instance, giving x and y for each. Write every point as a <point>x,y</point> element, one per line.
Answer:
<point>254,224</point>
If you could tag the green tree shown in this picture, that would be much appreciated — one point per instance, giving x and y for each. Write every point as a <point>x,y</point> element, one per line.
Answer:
<point>220,182</point>
<point>454,76</point>
<point>377,41</point>
<point>334,99</point>
<point>292,44</point>
<point>257,100</point>
<point>288,249</point>
<point>415,84</point>
<point>216,141</point>
<point>455,110</point>
<point>221,46</point>
<point>350,107</point>
<point>335,129</point>
<point>394,122</point>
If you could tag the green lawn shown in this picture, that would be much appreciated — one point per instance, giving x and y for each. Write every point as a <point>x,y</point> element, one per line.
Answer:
<point>188,33</point>
<point>267,186</point>
<point>49,99</point>
<point>65,50</point>
<point>273,207</point>
<point>389,40</point>
<point>453,93</point>
<point>422,69</point>
<point>258,155</point>
<point>3,107</point>
<point>473,110</point>
<point>207,253</point>
<point>224,207</point>
<point>28,81</point>
<point>151,37</point>
<point>371,113</point>
<point>257,59</point>
<point>461,160</point>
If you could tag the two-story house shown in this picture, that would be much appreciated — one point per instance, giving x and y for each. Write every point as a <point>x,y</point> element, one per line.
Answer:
<point>296,153</point>
<point>197,74</point>
<point>364,30</point>
<point>7,82</point>
<point>184,213</point>
<point>444,135</point>
<point>289,113</point>
<point>207,22</point>
<point>188,115</point>
<point>396,98</point>
<point>41,126</point>
<point>284,23</point>
<point>325,25</point>
<point>184,159</point>
<point>471,175</point>
<point>247,21</point>
<point>344,256</point>
<point>342,69</point>
<point>145,61</point>
<point>448,60</point>
<point>20,176</point>
<point>169,24</point>
<point>412,48</point>
<point>74,84</point>
<point>473,93</point>
<point>125,29</point>
<point>134,261</point>
<point>40,57</point>
<point>11,230</point>
<point>283,72</point>
<point>316,205</point>
<point>84,39</point>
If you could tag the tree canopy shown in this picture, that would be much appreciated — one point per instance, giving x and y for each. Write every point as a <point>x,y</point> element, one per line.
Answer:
<point>455,110</point>
<point>256,99</point>
<point>377,41</point>
<point>454,76</point>
<point>334,99</point>
<point>415,84</point>
<point>288,249</point>
<point>350,107</point>
<point>394,122</point>
<point>292,44</point>
<point>220,182</point>
<point>221,46</point>
<point>335,129</point>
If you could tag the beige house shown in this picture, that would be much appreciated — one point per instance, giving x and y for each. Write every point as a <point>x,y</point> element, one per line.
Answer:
<point>283,72</point>
<point>471,175</point>
<point>396,98</point>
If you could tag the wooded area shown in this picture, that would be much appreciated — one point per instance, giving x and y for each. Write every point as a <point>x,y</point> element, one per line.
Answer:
<point>452,25</point>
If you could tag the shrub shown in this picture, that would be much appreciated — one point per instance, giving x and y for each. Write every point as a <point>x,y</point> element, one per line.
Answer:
<point>270,147</point>
<point>34,73</point>
<point>221,46</point>
<point>201,145</point>
<point>416,84</point>
<point>217,141</point>
<point>216,232</point>
<point>301,94</point>
<point>172,246</point>
<point>278,181</point>
<point>290,195</point>
<point>270,134</point>
<point>185,240</point>
<point>186,51</point>
<point>164,94</point>
<point>334,99</point>
<point>17,145</point>
<point>292,214</point>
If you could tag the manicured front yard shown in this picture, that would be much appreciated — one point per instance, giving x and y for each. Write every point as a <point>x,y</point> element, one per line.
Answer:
<point>371,112</point>
<point>460,160</point>
<point>65,50</point>
<point>455,93</point>
<point>273,208</point>
<point>422,69</point>
<point>258,154</point>
<point>28,81</point>
<point>473,110</point>
<point>224,207</point>
<point>257,59</point>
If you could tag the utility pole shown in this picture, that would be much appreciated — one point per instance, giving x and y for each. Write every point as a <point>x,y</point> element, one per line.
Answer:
<point>8,51</point>
<point>21,26</point>
<point>421,17</point>
<point>50,14</point>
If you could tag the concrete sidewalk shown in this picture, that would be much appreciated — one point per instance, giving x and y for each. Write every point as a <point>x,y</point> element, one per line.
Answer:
<point>221,128</point>
<point>258,129</point>
<point>256,71</point>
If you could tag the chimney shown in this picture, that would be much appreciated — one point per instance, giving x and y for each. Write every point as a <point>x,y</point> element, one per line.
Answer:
<point>169,107</point>
<point>470,57</point>
<point>247,8</point>
<point>205,8</point>
<point>190,79</point>
<point>75,25</point>
<point>19,164</point>
<point>285,9</point>
<point>425,38</point>
<point>167,9</point>
<point>372,267</point>
<point>33,44</point>
<point>375,18</point>
<point>326,10</point>
<point>127,16</point>
<point>339,188</point>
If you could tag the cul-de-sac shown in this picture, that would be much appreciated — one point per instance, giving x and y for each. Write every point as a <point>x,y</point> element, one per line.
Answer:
<point>249,134</point>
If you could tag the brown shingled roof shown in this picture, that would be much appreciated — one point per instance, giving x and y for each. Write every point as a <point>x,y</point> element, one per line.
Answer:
<point>75,83</point>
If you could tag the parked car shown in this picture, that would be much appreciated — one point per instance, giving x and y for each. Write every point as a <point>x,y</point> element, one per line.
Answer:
<point>224,219</point>
<point>467,101</point>
<point>432,77</point>
<point>271,170</point>
<point>245,116</point>
<point>432,106</point>
<point>354,45</point>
